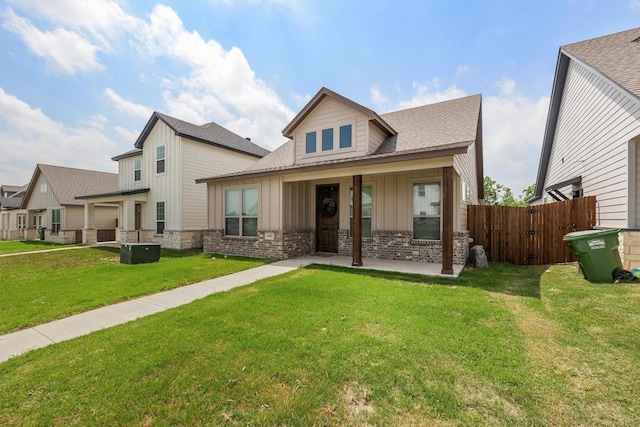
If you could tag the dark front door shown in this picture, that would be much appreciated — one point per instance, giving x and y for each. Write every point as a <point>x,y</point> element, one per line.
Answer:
<point>138,215</point>
<point>327,218</point>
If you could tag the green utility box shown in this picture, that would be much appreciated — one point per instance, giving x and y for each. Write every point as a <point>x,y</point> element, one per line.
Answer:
<point>597,253</point>
<point>41,233</point>
<point>139,253</point>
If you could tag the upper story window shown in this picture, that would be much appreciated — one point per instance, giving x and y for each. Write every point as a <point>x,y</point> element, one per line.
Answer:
<point>327,139</point>
<point>345,136</point>
<point>331,140</point>
<point>137,170</point>
<point>43,187</point>
<point>426,211</point>
<point>160,159</point>
<point>310,142</point>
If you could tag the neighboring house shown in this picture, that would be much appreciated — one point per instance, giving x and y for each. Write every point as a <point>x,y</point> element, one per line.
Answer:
<point>158,199</point>
<point>50,202</point>
<point>590,145</point>
<point>12,218</point>
<point>415,169</point>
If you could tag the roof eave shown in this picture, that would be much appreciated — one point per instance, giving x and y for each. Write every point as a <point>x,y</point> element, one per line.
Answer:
<point>459,148</point>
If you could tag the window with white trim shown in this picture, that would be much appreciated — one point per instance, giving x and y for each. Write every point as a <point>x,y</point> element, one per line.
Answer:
<point>137,170</point>
<point>241,212</point>
<point>22,221</point>
<point>426,211</point>
<point>160,218</point>
<point>160,159</point>
<point>367,211</point>
<point>55,221</point>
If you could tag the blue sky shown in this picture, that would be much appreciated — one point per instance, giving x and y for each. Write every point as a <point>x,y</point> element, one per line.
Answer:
<point>80,79</point>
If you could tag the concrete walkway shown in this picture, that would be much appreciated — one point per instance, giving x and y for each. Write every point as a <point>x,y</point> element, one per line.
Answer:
<point>22,341</point>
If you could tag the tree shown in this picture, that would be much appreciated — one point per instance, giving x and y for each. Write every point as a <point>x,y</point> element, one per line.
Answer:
<point>498,194</point>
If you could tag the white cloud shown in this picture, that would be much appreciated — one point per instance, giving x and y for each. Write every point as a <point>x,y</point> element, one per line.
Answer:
<point>64,50</point>
<point>430,93</point>
<point>377,97</point>
<point>127,107</point>
<point>513,126</point>
<point>128,135</point>
<point>221,85</point>
<point>30,137</point>
<point>513,130</point>
<point>462,69</point>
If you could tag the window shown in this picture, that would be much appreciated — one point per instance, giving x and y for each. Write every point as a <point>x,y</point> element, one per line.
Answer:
<point>160,159</point>
<point>160,216</point>
<point>345,136</point>
<point>241,212</point>
<point>137,169</point>
<point>426,211</point>
<point>22,221</point>
<point>327,139</point>
<point>311,142</point>
<point>367,209</point>
<point>43,187</point>
<point>55,221</point>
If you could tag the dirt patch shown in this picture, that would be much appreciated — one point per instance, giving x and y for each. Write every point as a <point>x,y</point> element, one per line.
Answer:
<point>358,399</point>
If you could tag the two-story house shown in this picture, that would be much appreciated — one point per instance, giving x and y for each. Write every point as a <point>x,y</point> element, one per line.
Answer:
<point>157,196</point>
<point>591,141</point>
<point>50,202</point>
<point>353,182</point>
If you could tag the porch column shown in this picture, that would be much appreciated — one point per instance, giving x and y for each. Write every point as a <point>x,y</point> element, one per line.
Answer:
<point>447,220</point>
<point>89,233</point>
<point>357,221</point>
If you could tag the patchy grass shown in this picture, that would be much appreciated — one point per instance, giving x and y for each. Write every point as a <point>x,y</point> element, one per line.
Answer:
<point>16,246</point>
<point>37,288</point>
<point>326,346</point>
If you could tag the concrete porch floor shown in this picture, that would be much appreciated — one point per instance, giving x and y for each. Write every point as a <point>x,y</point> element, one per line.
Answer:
<point>409,267</point>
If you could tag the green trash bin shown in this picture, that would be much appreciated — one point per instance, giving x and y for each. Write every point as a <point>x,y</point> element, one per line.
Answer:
<point>41,233</point>
<point>597,253</point>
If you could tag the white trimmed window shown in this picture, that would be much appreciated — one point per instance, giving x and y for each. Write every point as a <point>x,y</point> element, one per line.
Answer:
<point>367,211</point>
<point>160,159</point>
<point>241,212</point>
<point>55,221</point>
<point>426,211</point>
<point>22,221</point>
<point>160,218</point>
<point>137,170</point>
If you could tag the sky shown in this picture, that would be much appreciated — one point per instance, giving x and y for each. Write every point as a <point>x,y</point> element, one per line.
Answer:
<point>80,79</point>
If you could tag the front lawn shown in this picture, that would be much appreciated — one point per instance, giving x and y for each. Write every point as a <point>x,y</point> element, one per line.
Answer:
<point>328,346</point>
<point>15,246</point>
<point>37,288</point>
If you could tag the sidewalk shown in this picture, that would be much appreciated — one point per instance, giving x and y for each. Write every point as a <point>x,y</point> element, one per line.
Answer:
<point>22,341</point>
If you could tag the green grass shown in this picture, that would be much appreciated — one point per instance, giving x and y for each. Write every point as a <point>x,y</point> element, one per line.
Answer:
<point>325,346</point>
<point>37,288</point>
<point>15,246</point>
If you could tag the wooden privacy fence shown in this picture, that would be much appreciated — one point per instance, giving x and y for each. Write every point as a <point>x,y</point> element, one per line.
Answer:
<point>530,235</point>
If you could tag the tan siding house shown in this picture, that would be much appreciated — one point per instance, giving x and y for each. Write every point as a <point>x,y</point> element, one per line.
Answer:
<point>158,198</point>
<point>13,220</point>
<point>410,168</point>
<point>593,129</point>
<point>50,202</point>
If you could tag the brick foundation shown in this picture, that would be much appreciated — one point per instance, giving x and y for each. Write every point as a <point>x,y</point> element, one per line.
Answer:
<point>396,245</point>
<point>268,244</point>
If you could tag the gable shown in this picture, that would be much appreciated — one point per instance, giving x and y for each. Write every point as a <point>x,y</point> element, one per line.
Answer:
<point>41,195</point>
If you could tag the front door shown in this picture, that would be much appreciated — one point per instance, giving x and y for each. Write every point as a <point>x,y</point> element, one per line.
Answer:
<point>138,215</point>
<point>327,218</point>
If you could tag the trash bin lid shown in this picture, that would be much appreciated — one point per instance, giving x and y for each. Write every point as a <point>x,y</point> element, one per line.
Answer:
<point>588,234</point>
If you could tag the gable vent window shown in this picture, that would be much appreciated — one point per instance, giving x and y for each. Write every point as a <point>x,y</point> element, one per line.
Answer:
<point>160,159</point>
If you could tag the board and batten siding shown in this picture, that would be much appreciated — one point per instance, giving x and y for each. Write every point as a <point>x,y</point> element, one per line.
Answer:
<point>126,168</point>
<point>465,167</point>
<point>331,114</point>
<point>165,187</point>
<point>42,200</point>
<point>595,124</point>
<point>202,160</point>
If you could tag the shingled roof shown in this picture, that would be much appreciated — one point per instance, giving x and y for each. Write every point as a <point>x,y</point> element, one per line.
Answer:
<point>209,133</point>
<point>68,183</point>
<point>11,202</point>
<point>617,56</point>
<point>440,129</point>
